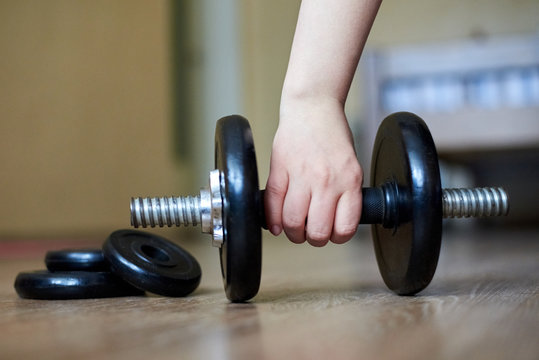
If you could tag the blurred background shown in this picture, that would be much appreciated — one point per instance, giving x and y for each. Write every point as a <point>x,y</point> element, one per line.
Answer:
<point>104,100</point>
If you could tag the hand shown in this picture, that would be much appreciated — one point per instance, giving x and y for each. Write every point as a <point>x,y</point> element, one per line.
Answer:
<point>314,187</point>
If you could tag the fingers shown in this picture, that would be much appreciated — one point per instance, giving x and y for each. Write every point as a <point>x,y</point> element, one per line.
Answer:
<point>347,217</point>
<point>334,219</point>
<point>316,215</point>
<point>320,218</point>
<point>274,195</point>
<point>286,207</point>
<point>348,211</point>
<point>295,208</point>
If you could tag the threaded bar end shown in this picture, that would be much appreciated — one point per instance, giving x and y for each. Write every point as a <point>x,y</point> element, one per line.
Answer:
<point>165,211</point>
<point>475,202</point>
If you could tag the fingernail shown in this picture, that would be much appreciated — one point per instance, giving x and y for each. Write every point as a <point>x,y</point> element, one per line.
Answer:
<point>276,230</point>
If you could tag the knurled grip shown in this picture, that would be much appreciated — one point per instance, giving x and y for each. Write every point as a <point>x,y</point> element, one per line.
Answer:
<point>372,211</point>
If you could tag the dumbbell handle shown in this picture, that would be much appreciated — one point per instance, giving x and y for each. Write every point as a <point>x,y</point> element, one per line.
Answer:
<point>379,207</point>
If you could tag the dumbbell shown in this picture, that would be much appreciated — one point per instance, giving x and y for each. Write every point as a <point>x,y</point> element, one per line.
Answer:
<point>405,205</point>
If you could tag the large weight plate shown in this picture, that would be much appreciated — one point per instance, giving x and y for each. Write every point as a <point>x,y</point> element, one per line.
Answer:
<point>152,263</point>
<point>404,153</point>
<point>241,251</point>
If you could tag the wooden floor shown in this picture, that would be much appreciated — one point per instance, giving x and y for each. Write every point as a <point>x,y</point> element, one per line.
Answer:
<point>325,303</point>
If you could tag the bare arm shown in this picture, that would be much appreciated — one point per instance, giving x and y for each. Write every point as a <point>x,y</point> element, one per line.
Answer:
<point>314,188</point>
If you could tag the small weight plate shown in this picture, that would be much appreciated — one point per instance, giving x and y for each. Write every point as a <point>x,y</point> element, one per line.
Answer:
<point>241,251</point>
<point>152,263</point>
<point>404,154</point>
<point>76,260</point>
<point>45,285</point>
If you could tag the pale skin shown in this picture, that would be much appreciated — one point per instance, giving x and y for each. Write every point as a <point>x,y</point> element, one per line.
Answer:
<point>313,191</point>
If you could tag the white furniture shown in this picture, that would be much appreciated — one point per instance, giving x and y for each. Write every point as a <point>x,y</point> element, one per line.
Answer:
<point>475,95</point>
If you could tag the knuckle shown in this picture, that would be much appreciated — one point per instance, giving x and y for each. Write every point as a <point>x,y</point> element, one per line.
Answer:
<point>318,234</point>
<point>323,178</point>
<point>321,175</point>
<point>275,190</point>
<point>355,176</point>
<point>342,234</point>
<point>346,228</point>
<point>345,231</point>
<point>354,171</point>
<point>293,223</point>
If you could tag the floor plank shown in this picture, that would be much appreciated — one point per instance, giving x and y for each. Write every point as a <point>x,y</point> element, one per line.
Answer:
<point>313,304</point>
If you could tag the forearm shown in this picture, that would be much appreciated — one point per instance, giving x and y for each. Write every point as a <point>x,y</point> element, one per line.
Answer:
<point>329,38</point>
<point>314,188</point>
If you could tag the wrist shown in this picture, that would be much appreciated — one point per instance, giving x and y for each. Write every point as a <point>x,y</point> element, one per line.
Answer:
<point>297,88</point>
<point>311,106</point>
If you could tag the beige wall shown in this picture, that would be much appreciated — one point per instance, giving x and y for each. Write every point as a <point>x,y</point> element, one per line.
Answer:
<point>85,106</point>
<point>84,114</point>
<point>415,21</point>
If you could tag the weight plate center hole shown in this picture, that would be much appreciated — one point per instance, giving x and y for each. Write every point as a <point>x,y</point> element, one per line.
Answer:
<point>155,253</point>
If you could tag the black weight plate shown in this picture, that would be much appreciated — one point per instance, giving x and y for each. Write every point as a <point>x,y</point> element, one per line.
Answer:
<point>76,260</point>
<point>241,251</point>
<point>152,263</point>
<point>404,153</point>
<point>45,285</point>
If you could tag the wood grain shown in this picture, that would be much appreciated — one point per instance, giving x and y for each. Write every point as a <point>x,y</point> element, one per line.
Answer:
<point>314,304</point>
